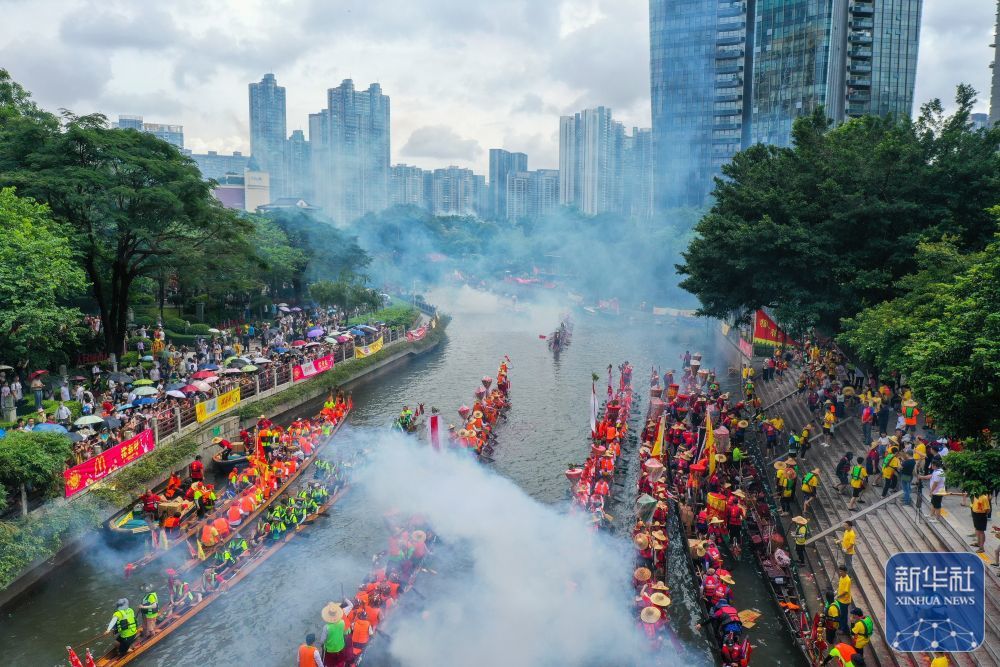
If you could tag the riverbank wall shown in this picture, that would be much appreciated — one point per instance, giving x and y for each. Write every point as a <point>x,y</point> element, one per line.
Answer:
<point>80,517</point>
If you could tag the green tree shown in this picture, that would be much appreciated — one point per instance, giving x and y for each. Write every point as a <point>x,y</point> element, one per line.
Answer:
<point>127,200</point>
<point>37,277</point>
<point>827,227</point>
<point>32,461</point>
<point>953,360</point>
<point>975,472</point>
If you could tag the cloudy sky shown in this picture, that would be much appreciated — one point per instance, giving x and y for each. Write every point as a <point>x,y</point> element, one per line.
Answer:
<point>463,75</point>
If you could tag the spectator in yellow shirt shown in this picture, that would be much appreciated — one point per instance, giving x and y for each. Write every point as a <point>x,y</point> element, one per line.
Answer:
<point>847,545</point>
<point>980,514</point>
<point>844,597</point>
<point>940,661</point>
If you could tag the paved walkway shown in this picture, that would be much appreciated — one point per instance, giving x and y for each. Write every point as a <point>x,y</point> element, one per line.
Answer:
<point>887,530</point>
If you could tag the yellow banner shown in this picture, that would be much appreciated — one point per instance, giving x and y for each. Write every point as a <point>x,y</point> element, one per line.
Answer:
<point>221,403</point>
<point>368,350</point>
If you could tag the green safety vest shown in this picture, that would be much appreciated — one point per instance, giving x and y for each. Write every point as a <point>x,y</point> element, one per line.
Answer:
<point>224,556</point>
<point>334,637</point>
<point>126,623</point>
<point>856,472</point>
<point>152,599</point>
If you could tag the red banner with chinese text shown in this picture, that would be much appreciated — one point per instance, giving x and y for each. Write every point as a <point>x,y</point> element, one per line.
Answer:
<point>767,332</point>
<point>81,476</point>
<point>304,371</point>
<point>416,334</point>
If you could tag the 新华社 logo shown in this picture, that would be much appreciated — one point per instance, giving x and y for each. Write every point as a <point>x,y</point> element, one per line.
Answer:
<point>935,602</point>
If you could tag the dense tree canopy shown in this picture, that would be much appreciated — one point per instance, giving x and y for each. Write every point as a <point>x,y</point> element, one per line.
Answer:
<point>32,461</point>
<point>824,228</point>
<point>37,278</point>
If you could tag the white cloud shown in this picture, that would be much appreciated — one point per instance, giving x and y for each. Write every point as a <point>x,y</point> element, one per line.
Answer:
<point>494,73</point>
<point>442,142</point>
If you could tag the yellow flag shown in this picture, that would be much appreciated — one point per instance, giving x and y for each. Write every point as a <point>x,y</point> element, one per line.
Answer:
<point>201,552</point>
<point>658,446</point>
<point>710,444</point>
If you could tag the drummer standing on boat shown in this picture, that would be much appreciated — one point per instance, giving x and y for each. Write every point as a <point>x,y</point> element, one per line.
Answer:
<point>334,637</point>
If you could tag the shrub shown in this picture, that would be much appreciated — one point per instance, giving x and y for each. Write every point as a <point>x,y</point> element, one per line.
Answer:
<point>176,324</point>
<point>180,338</point>
<point>144,321</point>
<point>200,329</point>
<point>129,359</point>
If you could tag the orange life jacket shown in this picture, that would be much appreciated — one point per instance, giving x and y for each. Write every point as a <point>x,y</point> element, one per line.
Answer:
<point>234,515</point>
<point>222,526</point>
<point>307,656</point>
<point>208,536</point>
<point>361,632</point>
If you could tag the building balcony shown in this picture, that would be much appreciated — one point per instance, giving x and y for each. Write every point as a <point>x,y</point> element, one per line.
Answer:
<point>727,115</point>
<point>859,96</point>
<point>857,110</point>
<point>730,41</point>
<point>729,69</point>
<point>860,67</point>
<point>732,8</point>
<point>862,23</point>
<point>862,9</point>
<point>730,83</point>
<point>726,124</point>
<point>860,53</point>
<point>727,54</point>
<point>860,38</point>
<point>860,82</point>
<point>728,96</point>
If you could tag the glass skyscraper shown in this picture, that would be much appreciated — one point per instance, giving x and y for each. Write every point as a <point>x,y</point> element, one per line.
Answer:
<point>502,164</point>
<point>699,64</point>
<point>267,130</point>
<point>726,74</point>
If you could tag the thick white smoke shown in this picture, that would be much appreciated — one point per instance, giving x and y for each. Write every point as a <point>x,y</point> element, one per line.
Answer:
<point>535,586</point>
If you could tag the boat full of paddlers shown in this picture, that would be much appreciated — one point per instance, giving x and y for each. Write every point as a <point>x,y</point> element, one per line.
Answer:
<point>593,481</point>
<point>695,437</point>
<point>490,403</point>
<point>351,627</point>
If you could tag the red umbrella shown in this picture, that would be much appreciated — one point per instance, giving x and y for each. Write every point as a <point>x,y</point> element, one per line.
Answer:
<point>189,389</point>
<point>36,374</point>
<point>201,375</point>
<point>298,343</point>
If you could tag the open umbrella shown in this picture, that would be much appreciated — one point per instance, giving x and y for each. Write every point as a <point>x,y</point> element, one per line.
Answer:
<point>209,367</point>
<point>202,386</point>
<point>123,406</point>
<point>142,383</point>
<point>261,360</point>
<point>120,377</point>
<point>147,357</point>
<point>298,343</point>
<point>75,436</point>
<point>281,350</point>
<point>78,378</point>
<point>88,419</point>
<point>283,304</point>
<point>190,389</point>
<point>214,331</point>
<point>212,379</point>
<point>296,309</point>
<point>284,309</point>
<point>232,371</point>
<point>52,428</point>
<point>249,368</point>
<point>149,400</point>
<point>5,367</point>
<point>176,394</point>
<point>113,422</point>
<point>173,386</point>
<point>330,339</point>
<point>2,433</point>
<point>315,333</point>
<point>200,375</point>
<point>37,373</point>
<point>146,391</point>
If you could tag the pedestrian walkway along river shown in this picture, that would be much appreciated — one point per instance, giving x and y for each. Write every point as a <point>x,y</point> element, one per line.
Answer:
<point>262,620</point>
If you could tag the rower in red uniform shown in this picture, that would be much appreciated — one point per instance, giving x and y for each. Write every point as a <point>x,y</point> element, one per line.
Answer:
<point>197,470</point>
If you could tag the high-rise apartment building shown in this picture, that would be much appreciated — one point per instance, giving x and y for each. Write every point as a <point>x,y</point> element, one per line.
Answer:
<point>214,166</point>
<point>995,65</point>
<point>456,191</point>
<point>350,152</point>
<point>406,186</point>
<point>590,161</point>
<point>637,179</point>
<point>532,194</point>
<point>502,164</point>
<point>267,130</point>
<point>297,168</point>
<point>728,73</point>
<point>172,134</point>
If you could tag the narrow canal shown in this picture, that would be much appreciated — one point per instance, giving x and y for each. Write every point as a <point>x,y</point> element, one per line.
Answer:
<point>262,620</point>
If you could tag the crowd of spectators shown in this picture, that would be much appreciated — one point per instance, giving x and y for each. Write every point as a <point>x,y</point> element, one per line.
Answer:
<point>169,380</point>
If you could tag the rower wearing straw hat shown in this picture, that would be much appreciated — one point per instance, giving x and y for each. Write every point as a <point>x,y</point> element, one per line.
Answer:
<point>334,637</point>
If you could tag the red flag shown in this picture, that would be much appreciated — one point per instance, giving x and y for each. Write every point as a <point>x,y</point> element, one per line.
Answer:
<point>767,332</point>
<point>542,336</point>
<point>434,429</point>
<point>90,659</point>
<point>73,659</point>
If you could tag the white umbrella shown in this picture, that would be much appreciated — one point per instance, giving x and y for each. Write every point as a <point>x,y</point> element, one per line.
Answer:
<point>146,391</point>
<point>210,380</point>
<point>261,360</point>
<point>214,331</point>
<point>202,386</point>
<point>88,419</point>
<point>176,394</point>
